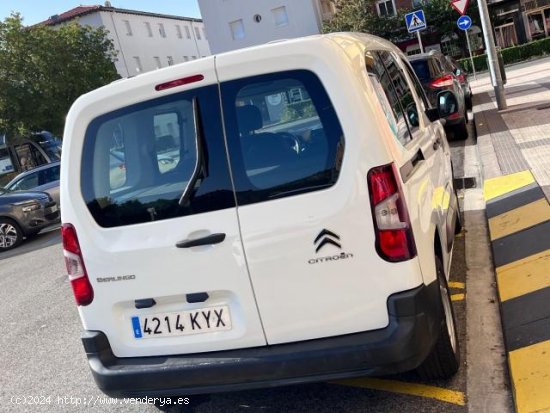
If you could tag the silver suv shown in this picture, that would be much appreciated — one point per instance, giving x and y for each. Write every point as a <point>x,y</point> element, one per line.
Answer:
<point>24,214</point>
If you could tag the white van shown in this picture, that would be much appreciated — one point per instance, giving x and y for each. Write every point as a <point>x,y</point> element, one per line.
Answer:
<point>275,215</point>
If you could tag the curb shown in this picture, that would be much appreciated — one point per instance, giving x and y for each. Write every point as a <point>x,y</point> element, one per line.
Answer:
<point>518,216</point>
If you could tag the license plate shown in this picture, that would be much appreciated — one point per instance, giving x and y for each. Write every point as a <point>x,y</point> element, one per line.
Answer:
<point>52,209</point>
<point>182,323</point>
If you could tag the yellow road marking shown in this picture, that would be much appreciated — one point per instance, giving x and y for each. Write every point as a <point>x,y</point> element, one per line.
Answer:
<point>524,276</point>
<point>520,218</point>
<point>457,297</point>
<point>413,389</point>
<point>495,187</point>
<point>456,284</point>
<point>530,371</point>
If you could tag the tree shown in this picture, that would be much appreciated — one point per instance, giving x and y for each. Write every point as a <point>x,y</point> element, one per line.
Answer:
<point>361,16</point>
<point>43,70</point>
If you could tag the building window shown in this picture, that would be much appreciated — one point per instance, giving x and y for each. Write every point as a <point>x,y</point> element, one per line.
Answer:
<point>279,16</point>
<point>128,27</point>
<point>170,60</point>
<point>413,49</point>
<point>161,30</point>
<point>505,35</point>
<point>185,58</point>
<point>194,57</point>
<point>148,28</point>
<point>204,33</point>
<point>157,62</point>
<point>187,32</point>
<point>385,8</point>
<point>197,33</point>
<point>327,9</point>
<point>139,67</point>
<point>237,29</point>
<point>178,31</point>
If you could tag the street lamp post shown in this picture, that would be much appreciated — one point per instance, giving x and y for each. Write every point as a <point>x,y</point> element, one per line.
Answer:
<point>494,69</point>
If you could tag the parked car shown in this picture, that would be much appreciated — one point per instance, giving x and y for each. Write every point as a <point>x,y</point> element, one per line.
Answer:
<point>335,262</point>
<point>24,214</point>
<point>436,74</point>
<point>45,178</point>
<point>462,76</point>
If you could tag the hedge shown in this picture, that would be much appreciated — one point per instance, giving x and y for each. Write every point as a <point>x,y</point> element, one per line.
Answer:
<point>511,54</point>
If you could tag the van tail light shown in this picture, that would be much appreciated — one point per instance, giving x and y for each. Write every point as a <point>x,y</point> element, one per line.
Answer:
<point>394,237</point>
<point>442,81</point>
<point>83,291</point>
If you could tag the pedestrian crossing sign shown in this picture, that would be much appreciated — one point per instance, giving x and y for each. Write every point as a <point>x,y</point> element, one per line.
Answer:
<point>415,21</point>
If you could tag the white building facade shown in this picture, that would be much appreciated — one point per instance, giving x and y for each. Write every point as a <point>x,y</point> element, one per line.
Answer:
<point>233,24</point>
<point>144,41</point>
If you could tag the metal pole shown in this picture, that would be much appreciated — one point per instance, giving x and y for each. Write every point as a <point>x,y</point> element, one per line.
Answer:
<point>496,77</point>
<point>467,33</point>
<point>420,41</point>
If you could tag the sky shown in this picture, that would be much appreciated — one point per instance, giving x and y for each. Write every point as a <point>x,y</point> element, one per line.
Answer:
<point>34,11</point>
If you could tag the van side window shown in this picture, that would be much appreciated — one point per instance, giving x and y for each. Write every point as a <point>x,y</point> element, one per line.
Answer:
<point>283,135</point>
<point>421,93</point>
<point>402,90</point>
<point>138,160</point>
<point>387,96</point>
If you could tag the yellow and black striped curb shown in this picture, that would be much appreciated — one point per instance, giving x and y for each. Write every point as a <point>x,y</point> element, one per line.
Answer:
<point>519,224</point>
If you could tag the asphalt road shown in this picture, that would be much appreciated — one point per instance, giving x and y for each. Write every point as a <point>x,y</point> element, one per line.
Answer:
<point>43,362</point>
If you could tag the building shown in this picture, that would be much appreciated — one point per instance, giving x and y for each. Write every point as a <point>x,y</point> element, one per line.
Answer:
<point>144,41</point>
<point>233,24</point>
<point>520,21</point>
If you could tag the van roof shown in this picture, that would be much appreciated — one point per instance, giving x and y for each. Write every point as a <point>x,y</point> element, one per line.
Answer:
<point>347,43</point>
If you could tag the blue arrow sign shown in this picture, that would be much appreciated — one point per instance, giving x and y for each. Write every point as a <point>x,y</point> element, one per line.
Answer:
<point>464,22</point>
<point>415,21</point>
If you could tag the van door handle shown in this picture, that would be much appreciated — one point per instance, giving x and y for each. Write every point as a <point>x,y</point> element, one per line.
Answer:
<point>437,144</point>
<point>208,240</point>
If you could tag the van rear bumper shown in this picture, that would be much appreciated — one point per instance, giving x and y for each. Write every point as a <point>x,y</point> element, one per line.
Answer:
<point>415,317</point>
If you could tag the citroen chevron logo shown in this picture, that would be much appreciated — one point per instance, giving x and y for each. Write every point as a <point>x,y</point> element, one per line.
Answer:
<point>326,237</point>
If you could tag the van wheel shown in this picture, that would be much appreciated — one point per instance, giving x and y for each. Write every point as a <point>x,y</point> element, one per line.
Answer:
<point>444,360</point>
<point>10,234</point>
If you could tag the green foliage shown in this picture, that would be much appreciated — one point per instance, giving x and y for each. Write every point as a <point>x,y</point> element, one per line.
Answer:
<point>512,54</point>
<point>361,16</point>
<point>43,70</point>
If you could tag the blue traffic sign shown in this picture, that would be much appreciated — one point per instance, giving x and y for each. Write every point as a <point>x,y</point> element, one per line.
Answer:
<point>415,21</point>
<point>464,22</point>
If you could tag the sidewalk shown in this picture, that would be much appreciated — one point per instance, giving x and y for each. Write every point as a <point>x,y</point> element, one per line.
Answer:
<point>514,148</point>
<point>517,138</point>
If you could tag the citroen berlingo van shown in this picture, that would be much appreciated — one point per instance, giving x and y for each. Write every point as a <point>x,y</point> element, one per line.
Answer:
<point>274,215</point>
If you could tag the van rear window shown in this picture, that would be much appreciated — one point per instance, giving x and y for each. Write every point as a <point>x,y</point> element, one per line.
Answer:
<point>283,135</point>
<point>138,160</point>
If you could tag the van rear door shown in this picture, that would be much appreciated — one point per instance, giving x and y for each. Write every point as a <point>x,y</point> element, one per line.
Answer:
<point>169,274</point>
<point>303,202</point>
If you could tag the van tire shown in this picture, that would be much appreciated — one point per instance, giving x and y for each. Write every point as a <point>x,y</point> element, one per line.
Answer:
<point>10,227</point>
<point>444,360</point>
